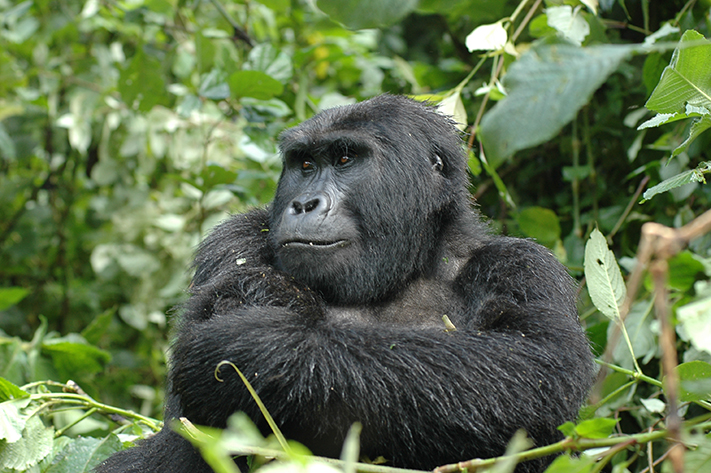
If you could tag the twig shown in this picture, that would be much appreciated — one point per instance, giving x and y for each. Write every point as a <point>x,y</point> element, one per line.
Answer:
<point>238,32</point>
<point>659,270</point>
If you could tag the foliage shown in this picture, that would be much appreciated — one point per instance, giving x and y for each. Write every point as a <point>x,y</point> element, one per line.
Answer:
<point>128,129</point>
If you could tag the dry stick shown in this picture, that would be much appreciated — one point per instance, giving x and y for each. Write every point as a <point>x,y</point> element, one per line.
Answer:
<point>660,269</point>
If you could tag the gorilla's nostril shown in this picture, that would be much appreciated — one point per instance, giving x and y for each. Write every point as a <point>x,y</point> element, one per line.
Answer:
<point>311,205</point>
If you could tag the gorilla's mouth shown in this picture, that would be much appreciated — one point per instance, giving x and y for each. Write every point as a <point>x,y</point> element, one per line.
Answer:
<point>315,244</point>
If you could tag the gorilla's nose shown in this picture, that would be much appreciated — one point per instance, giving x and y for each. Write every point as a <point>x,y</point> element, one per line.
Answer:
<point>315,204</point>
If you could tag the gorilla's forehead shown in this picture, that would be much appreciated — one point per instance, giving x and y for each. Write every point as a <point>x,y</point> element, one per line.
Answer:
<point>363,122</point>
<point>327,138</point>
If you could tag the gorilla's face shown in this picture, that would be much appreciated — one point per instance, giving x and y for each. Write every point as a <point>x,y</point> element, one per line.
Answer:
<point>361,199</point>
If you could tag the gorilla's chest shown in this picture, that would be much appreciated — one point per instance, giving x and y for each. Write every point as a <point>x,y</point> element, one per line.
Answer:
<point>422,304</point>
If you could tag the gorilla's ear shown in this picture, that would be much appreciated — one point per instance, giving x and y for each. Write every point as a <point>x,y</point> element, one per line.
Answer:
<point>437,164</point>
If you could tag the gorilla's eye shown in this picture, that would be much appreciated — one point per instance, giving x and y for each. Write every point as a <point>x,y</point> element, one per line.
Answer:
<point>307,165</point>
<point>345,159</point>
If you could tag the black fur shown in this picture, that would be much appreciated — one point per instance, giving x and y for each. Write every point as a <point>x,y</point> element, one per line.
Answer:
<point>331,302</point>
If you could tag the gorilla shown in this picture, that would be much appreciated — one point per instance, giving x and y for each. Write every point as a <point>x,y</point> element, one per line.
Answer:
<point>332,301</point>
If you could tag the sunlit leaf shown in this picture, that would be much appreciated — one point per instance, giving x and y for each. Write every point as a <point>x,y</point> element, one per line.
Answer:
<point>695,321</point>
<point>603,277</point>
<point>487,37</point>
<point>569,23</point>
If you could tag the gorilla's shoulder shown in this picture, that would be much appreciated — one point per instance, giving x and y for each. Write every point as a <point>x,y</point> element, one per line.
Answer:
<point>240,239</point>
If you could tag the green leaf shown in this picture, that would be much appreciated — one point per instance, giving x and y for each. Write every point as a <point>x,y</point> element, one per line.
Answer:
<point>141,83</point>
<point>546,88</point>
<point>214,87</point>
<point>10,391</point>
<point>604,279</point>
<point>98,327</point>
<point>568,429</point>
<point>698,459</point>
<point>699,126</point>
<point>254,84</point>
<point>271,61</point>
<point>13,360</point>
<point>567,464</point>
<point>34,444</point>
<point>596,428</point>
<point>7,145</point>
<point>684,270</point>
<point>72,358</point>
<point>570,173</point>
<point>84,454</point>
<point>9,296</point>
<point>540,223</point>
<point>639,331</point>
<point>12,420</point>
<point>695,381</point>
<point>214,174</point>
<point>359,14</point>
<point>686,177</point>
<point>686,80</point>
<point>684,89</point>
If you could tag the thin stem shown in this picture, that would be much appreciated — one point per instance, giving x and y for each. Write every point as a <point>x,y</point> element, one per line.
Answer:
<point>71,398</point>
<point>88,413</point>
<point>575,183</point>
<point>633,374</point>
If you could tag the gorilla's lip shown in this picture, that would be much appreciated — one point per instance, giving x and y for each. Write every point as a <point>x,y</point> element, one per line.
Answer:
<point>315,244</point>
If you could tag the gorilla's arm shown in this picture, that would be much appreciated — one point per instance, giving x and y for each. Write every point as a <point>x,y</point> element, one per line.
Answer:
<point>514,362</point>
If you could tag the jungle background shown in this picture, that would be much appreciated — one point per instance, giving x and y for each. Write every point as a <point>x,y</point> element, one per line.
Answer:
<point>129,128</point>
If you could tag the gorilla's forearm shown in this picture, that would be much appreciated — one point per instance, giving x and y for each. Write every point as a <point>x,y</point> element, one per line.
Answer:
<point>503,380</point>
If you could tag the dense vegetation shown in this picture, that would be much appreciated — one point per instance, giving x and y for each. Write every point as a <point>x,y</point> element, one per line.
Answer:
<point>129,128</point>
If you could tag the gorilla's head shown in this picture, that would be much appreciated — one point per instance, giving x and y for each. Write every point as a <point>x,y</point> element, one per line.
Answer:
<point>364,195</point>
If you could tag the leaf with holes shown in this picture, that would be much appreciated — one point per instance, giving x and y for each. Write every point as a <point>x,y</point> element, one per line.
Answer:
<point>603,276</point>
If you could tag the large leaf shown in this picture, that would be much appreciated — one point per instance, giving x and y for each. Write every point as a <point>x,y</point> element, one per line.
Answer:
<point>84,454</point>
<point>684,90</point>
<point>34,444</point>
<point>358,14</point>
<point>546,88</point>
<point>604,279</point>
<point>686,80</point>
